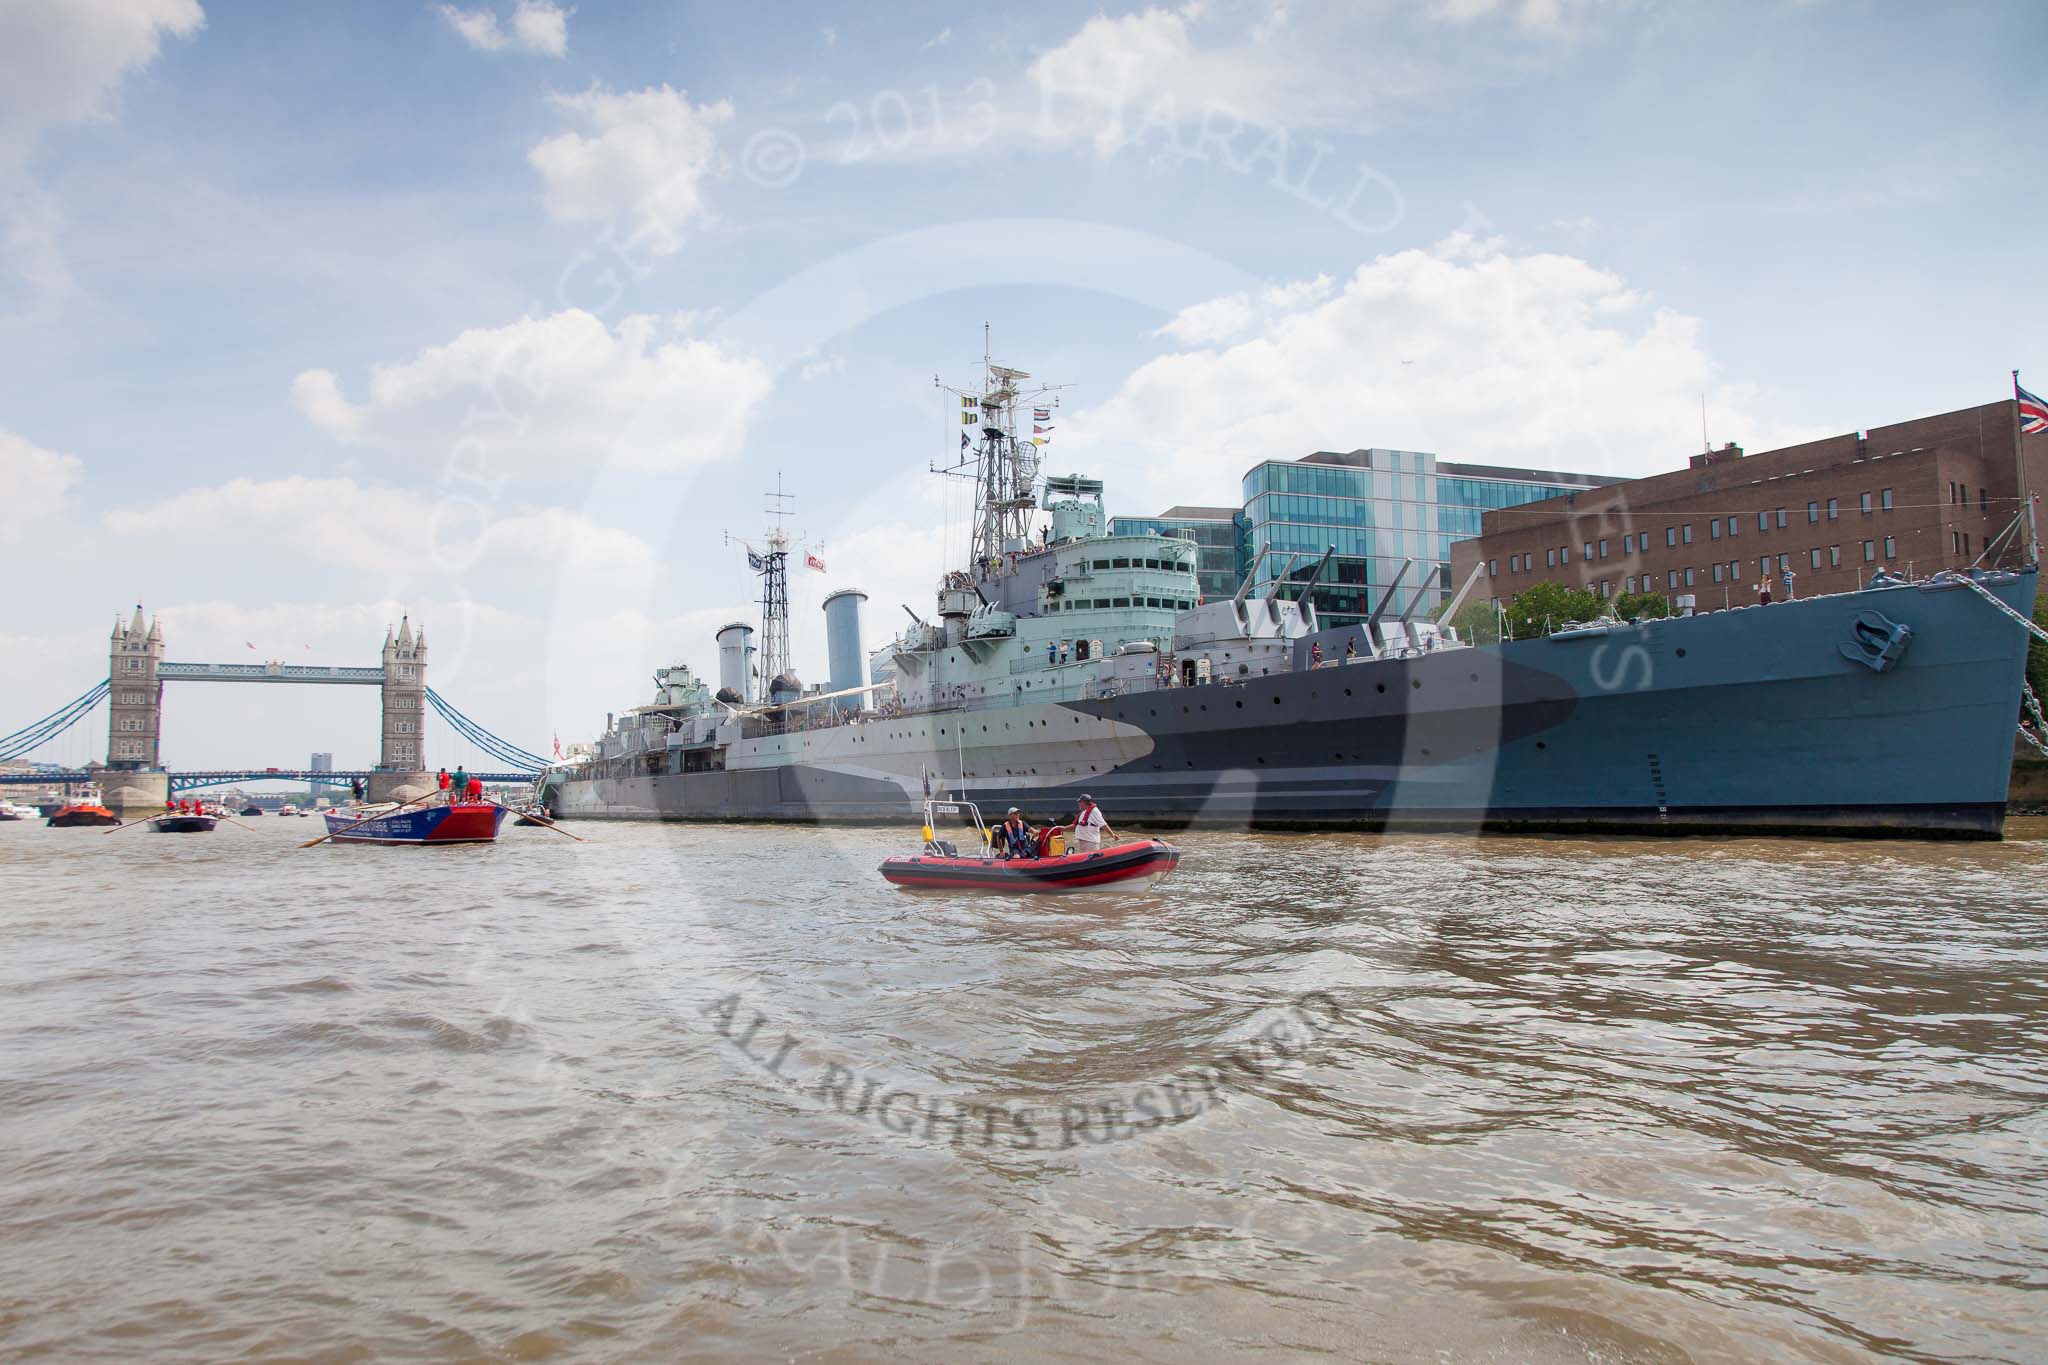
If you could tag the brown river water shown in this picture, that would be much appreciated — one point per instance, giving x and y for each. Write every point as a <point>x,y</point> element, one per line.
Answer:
<point>684,1091</point>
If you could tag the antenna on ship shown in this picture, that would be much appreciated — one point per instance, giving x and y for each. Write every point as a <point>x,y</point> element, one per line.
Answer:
<point>1004,466</point>
<point>773,568</point>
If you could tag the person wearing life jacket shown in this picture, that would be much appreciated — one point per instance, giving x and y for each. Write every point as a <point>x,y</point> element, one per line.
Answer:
<point>1014,838</point>
<point>1089,826</point>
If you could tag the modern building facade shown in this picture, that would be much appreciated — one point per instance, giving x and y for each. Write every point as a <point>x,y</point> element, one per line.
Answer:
<point>1379,508</point>
<point>1939,492</point>
<point>1218,535</point>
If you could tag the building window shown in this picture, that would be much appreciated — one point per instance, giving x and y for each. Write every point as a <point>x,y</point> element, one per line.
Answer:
<point>1589,549</point>
<point>1865,504</point>
<point>1492,568</point>
<point>1834,509</point>
<point>1606,588</point>
<point>1671,578</point>
<point>1717,571</point>
<point>1714,529</point>
<point>1670,536</point>
<point>1869,551</point>
<point>1630,582</point>
<point>1884,498</point>
<point>404,727</point>
<point>1983,502</point>
<point>1891,546</point>
<point>135,665</point>
<point>1628,544</point>
<point>1550,559</point>
<point>1813,558</point>
<point>1955,542</point>
<point>1688,578</point>
<point>1603,547</point>
<point>1763,521</point>
<point>1812,513</point>
<point>1564,554</point>
<point>1731,528</point>
<point>1781,518</point>
<point>1834,556</point>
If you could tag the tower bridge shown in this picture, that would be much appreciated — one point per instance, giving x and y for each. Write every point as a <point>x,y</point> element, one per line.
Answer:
<point>134,692</point>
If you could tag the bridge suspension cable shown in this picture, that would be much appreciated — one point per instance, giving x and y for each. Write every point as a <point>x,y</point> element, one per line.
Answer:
<point>54,724</point>
<point>502,750</point>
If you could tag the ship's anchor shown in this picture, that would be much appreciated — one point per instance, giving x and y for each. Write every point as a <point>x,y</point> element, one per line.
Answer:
<point>1876,641</point>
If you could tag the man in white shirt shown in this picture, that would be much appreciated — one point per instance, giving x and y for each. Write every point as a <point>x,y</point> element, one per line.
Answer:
<point>1089,827</point>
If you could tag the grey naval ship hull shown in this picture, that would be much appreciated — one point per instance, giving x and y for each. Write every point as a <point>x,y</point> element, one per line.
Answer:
<point>1759,720</point>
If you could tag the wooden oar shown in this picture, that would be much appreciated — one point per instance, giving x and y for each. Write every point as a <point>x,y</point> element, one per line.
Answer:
<point>233,821</point>
<point>544,824</point>
<point>131,824</point>
<point>368,818</point>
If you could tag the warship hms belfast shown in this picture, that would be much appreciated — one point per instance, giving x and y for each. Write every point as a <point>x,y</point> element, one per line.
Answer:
<point>1073,660</point>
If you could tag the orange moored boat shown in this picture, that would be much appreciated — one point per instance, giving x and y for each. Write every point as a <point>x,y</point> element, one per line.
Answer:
<point>82,813</point>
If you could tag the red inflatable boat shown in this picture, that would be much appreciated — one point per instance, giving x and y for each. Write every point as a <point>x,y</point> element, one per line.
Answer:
<point>941,865</point>
<point>1072,872</point>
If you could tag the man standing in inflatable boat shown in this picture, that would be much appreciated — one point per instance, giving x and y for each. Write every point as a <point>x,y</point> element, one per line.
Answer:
<point>1089,826</point>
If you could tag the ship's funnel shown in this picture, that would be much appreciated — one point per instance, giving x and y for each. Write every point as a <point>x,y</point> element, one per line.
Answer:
<point>845,652</point>
<point>736,658</point>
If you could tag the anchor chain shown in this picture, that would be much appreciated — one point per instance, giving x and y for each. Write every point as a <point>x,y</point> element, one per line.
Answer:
<point>2026,689</point>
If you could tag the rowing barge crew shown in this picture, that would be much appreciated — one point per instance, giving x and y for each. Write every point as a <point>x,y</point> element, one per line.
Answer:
<point>1011,858</point>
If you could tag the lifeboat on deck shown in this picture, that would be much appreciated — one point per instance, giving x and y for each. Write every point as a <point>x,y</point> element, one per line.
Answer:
<point>941,865</point>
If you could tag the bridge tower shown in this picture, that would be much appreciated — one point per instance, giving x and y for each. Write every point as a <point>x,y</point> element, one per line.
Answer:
<point>135,698</point>
<point>405,700</point>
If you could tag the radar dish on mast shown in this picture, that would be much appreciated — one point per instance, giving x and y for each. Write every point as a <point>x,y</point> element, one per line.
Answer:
<point>1004,466</point>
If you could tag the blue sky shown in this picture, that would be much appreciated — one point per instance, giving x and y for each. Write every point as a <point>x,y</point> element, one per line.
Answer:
<point>505,314</point>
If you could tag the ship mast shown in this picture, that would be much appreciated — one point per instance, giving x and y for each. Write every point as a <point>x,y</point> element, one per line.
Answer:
<point>1003,465</point>
<point>773,569</point>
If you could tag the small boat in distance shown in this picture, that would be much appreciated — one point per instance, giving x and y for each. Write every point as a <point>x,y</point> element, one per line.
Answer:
<point>941,865</point>
<point>10,811</point>
<point>252,809</point>
<point>183,822</point>
<point>82,813</point>
<point>287,809</point>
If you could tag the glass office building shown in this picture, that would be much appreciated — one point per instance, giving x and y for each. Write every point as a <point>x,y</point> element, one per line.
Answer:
<point>1219,537</point>
<point>1378,508</point>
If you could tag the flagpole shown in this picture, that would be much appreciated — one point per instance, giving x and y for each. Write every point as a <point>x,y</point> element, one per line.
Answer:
<point>2019,459</point>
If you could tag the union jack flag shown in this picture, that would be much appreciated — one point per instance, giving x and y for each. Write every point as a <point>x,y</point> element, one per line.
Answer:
<point>2033,411</point>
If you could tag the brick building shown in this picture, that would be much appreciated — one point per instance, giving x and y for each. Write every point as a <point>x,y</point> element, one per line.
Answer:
<point>1912,498</point>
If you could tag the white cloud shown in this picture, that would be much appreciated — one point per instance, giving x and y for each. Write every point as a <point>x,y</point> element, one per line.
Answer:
<point>444,540</point>
<point>554,394</point>
<point>1537,360</point>
<point>34,484</point>
<point>62,63</point>
<point>643,162</point>
<point>1219,319</point>
<point>536,26</point>
<point>939,39</point>
<point>1541,18</point>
